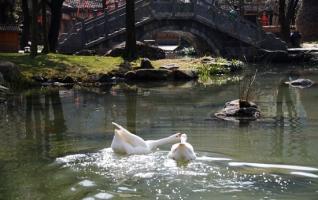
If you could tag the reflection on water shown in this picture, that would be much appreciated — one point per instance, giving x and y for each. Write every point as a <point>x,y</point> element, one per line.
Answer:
<point>51,141</point>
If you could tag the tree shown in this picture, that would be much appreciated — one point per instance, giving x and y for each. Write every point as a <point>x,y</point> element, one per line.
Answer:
<point>287,12</point>
<point>306,20</point>
<point>34,28</point>
<point>130,48</point>
<point>7,11</point>
<point>44,28</point>
<point>56,15</point>
<point>25,36</point>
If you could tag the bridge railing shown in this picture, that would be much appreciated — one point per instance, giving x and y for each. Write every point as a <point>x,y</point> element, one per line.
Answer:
<point>92,29</point>
<point>237,27</point>
<point>171,8</point>
<point>111,23</point>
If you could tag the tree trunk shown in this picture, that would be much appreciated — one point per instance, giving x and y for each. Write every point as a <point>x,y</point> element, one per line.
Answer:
<point>56,15</point>
<point>241,7</point>
<point>34,29</point>
<point>286,14</point>
<point>130,47</point>
<point>307,20</point>
<point>25,36</point>
<point>44,28</point>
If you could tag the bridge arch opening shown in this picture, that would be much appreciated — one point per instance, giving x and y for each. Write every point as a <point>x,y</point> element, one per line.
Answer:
<point>201,43</point>
<point>177,40</point>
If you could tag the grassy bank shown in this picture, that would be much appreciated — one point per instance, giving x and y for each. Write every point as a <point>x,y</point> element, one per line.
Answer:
<point>61,65</point>
<point>80,67</point>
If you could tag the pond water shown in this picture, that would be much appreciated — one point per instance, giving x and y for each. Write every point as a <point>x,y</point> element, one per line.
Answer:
<point>54,144</point>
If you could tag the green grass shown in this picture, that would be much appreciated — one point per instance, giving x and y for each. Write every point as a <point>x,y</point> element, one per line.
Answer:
<point>80,67</point>
<point>61,65</point>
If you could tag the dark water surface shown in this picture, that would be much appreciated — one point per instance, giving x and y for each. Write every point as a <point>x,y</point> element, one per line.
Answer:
<point>54,144</point>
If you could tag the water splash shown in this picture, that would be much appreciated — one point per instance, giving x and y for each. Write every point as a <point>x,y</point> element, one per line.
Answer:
<point>156,175</point>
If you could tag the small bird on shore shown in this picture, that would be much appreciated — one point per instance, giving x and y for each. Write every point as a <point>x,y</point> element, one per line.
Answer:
<point>182,151</point>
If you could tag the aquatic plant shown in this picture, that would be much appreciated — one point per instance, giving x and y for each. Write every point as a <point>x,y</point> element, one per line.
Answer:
<point>245,87</point>
<point>218,67</point>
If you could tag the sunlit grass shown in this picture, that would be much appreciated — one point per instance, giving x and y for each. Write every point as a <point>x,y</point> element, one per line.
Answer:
<point>217,70</point>
<point>62,65</point>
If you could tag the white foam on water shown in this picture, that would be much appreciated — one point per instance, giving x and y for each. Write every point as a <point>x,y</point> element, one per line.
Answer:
<point>87,183</point>
<point>305,174</point>
<point>262,165</point>
<point>207,158</point>
<point>104,195</point>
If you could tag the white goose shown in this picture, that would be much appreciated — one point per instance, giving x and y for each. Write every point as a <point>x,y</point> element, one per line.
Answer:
<point>182,151</point>
<point>125,142</point>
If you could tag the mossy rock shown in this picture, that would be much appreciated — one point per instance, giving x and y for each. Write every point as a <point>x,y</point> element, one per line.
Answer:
<point>238,110</point>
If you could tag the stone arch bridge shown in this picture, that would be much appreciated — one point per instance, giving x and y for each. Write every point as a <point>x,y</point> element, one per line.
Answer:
<point>205,26</point>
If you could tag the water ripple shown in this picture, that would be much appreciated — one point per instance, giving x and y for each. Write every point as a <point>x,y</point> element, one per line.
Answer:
<point>155,174</point>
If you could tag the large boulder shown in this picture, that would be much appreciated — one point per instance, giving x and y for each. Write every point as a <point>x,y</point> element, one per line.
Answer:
<point>149,75</point>
<point>10,72</point>
<point>184,75</point>
<point>239,110</point>
<point>143,50</point>
<point>85,52</point>
<point>145,64</point>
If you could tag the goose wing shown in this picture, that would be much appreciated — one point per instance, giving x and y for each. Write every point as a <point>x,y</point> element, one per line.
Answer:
<point>127,137</point>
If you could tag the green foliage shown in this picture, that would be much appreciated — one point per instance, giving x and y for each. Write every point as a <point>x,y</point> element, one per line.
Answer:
<point>219,67</point>
<point>219,70</point>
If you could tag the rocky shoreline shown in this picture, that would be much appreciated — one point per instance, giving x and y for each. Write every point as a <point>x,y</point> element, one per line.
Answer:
<point>145,72</point>
<point>11,76</point>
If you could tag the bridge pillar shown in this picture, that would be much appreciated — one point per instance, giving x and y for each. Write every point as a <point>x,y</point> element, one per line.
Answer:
<point>174,5</point>
<point>106,30</point>
<point>83,34</point>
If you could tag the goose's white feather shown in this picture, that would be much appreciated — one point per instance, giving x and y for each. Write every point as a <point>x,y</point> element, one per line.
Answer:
<point>126,142</point>
<point>182,151</point>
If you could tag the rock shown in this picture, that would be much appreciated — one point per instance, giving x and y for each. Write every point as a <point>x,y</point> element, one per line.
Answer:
<point>38,78</point>
<point>181,75</point>
<point>170,67</point>
<point>125,67</point>
<point>68,79</point>
<point>149,75</point>
<point>55,79</point>
<point>10,72</point>
<point>145,64</point>
<point>104,78</point>
<point>92,78</point>
<point>238,110</point>
<point>300,83</point>
<point>207,60</point>
<point>143,50</point>
<point>86,52</point>
<point>1,79</point>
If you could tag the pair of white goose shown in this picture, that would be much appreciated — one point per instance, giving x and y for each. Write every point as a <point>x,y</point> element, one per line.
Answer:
<point>125,142</point>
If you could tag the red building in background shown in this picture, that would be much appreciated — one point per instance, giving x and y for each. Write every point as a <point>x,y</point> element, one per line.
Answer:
<point>9,38</point>
<point>78,10</point>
